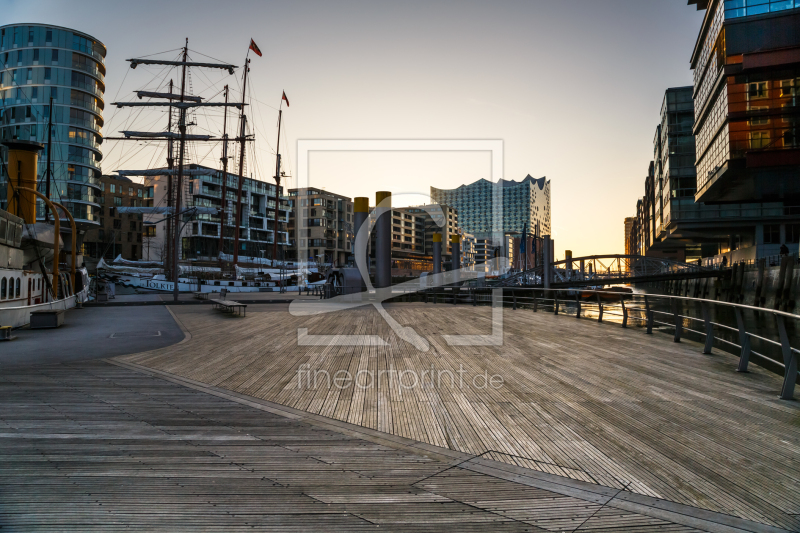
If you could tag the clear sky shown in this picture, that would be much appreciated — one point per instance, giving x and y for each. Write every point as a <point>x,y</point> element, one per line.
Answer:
<point>573,88</point>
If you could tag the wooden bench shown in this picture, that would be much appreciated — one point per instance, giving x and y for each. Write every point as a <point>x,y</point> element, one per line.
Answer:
<point>201,295</point>
<point>229,306</point>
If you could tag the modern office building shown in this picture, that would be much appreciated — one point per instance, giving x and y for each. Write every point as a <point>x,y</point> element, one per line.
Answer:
<point>746,66</point>
<point>118,234</point>
<point>320,226</point>
<point>42,62</point>
<point>437,218</point>
<point>254,221</point>
<point>629,240</point>
<point>524,202</point>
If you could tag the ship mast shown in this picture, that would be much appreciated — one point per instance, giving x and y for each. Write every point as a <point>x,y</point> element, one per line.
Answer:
<point>239,210</point>
<point>277,186</point>
<point>179,184</point>
<point>170,163</point>
<point>224,177</point>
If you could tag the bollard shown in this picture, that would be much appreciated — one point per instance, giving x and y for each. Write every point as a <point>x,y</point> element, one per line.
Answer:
<point>455,245</point>
<point>360,216</point>
<point>383,239</point>
<point>437,253</point>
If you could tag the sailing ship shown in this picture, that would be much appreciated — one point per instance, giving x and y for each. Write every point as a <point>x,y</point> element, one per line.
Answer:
<point>31,274</point>
<point>209,201</point>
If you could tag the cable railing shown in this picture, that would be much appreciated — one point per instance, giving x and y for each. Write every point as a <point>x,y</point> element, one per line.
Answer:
<point>752,333</point>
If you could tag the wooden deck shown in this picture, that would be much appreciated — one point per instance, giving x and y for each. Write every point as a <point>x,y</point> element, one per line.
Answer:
<point>98,447</point>
<point>586,401</point>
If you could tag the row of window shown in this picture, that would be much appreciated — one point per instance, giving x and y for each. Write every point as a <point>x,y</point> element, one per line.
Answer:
<point>10,288</point>
<point>747,8</point>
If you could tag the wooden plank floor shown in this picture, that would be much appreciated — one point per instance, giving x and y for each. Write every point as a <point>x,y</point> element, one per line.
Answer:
<point>588,401</point>
<point>95,447</point>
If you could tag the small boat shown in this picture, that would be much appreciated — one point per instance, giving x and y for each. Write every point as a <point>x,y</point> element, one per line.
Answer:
<point>608,293</point>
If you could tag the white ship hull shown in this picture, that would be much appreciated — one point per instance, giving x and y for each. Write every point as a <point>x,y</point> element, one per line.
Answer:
<point>16,312</point>
<point>186,285</point>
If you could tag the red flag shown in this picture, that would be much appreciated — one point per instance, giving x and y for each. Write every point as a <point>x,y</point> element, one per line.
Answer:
<point>254,48</point>
<point>284,98</point>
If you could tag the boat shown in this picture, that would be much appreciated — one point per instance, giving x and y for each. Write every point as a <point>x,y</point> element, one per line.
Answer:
<point>241,276</point>
<point>31,276</point>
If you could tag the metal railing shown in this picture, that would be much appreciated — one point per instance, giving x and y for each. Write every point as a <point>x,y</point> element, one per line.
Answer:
<point>769,330</point>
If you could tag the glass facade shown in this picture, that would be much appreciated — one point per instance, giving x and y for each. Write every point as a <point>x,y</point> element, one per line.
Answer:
<point>525,202</point>
<point>746,8</point>
<point>39,63</point>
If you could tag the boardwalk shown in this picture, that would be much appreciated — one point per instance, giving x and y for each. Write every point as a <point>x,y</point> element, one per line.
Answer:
<point>589,402</point>
<point>97,447</point>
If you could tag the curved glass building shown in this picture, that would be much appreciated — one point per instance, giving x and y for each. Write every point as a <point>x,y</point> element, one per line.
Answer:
<point>41,64</point>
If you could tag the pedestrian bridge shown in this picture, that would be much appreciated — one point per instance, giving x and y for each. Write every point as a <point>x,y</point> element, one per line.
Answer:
<point>596,270</point>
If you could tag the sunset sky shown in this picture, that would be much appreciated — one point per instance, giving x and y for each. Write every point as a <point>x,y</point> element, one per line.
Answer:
<point>573,89</point>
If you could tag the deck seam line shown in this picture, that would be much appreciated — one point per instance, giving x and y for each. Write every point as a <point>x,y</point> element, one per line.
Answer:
<point>711,521</point>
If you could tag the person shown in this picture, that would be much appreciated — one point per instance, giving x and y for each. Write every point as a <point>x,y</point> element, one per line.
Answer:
<point>724,261</point>
<point>784,250</point>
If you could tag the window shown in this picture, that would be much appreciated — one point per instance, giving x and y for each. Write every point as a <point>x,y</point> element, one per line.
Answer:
<point>54,93</point>
<point>18,288</point>
<point>130,191</point>
<point>772,234</point>
<point>117,223</point>
<point>36,55</point>
<point>3,288</point>
<point>787,88</point>
<point>759,139</point>
<point>113,188</point>
<point>139,193</point>
<point>133,226</point>
<point>34,93</point>
<point>757,90</point>
<point>792,233</point>
<point>47,74</point>
<point>54,55</point>
<point>49,36</point>
<point>117,201</point>
<point>30,35</point>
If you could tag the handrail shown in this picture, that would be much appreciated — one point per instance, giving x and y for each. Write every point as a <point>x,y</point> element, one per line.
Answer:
<point>790,354</point>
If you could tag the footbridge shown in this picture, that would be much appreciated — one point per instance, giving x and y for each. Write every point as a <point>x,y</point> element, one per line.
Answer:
<point>597,270</point>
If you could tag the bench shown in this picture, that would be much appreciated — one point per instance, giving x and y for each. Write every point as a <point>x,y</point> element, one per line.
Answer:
<point>201,295</point>
<point>229,306</point>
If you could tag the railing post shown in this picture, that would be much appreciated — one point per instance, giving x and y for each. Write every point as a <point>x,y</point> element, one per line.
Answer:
<point>789,360</point>
<point>600,306</point>
<point>555,304</point>
<point>648,315</point>
<point>678,322</point>
<point>425,296</point>
<point>624,313</point>
<point>744,341</point>
<point>709,328</point>
<point>535,303</point>
<point>455,294</point>
<point>474,298</point>
<point>434,298</point>
<point>578,304</point>
<point>514,294</point>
